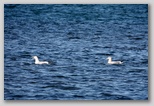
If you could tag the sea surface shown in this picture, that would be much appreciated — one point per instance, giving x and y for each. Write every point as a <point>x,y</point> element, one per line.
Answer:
<point>76,40</point>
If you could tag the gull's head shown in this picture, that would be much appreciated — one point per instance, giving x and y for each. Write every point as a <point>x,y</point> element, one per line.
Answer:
<point>35,57</point>
<point>108,58</point>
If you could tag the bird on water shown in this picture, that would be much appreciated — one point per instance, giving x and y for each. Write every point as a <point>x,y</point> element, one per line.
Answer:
<point>39,62</point>
<point>113,62</point>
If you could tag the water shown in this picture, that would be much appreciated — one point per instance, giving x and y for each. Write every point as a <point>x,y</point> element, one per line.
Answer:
<point>77,39</point>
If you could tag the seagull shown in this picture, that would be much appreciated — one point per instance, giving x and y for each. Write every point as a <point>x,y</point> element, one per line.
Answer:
<point>113,62</point>
<point>39,62</point>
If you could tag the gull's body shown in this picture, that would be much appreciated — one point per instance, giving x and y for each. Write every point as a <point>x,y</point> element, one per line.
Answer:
<point>113,62</point>
<point>39,62</point>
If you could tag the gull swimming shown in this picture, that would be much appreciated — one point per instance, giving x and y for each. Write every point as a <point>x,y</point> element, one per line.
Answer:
<point>113,62</point>
<point>39,62</point>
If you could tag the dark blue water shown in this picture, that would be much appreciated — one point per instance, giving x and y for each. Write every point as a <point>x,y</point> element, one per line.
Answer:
<point>77,39</point>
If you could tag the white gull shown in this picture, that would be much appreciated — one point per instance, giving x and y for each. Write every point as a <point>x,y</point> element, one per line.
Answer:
<point>113,62</point>
<point>39,62</point>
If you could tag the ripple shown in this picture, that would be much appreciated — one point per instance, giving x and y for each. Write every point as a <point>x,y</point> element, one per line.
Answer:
<point>69,88</point>
<point>116,97</point>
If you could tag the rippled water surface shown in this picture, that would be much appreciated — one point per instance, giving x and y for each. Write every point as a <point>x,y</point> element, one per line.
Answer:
<point>76,39</point>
